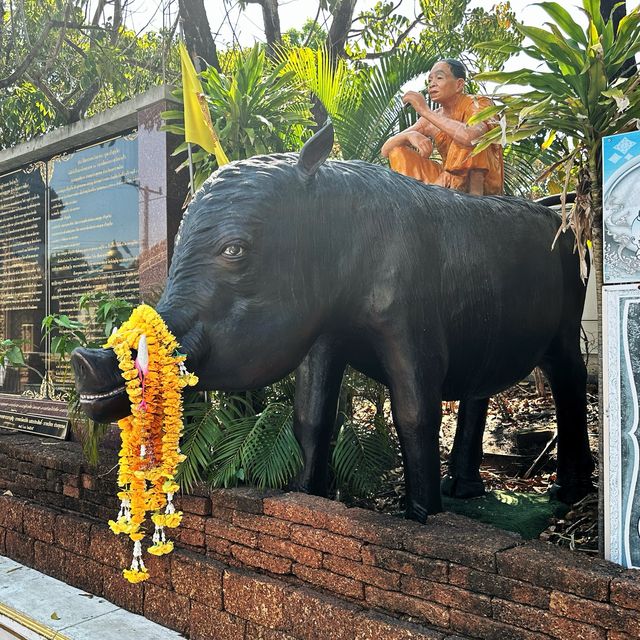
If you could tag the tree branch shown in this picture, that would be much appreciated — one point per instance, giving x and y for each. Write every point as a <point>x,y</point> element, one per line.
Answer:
<point>397,42</point>
<point>28,59</point>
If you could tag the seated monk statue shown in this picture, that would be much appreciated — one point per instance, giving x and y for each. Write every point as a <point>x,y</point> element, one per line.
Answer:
<point>409,151</point>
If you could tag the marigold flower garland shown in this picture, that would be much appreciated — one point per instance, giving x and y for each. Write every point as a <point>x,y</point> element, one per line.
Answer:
<point>150,451</point>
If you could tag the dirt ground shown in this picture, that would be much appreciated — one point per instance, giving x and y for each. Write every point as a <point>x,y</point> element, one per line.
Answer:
<point>520,423</point>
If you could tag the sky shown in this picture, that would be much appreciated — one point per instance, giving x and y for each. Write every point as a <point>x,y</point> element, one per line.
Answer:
<point>293,13</point>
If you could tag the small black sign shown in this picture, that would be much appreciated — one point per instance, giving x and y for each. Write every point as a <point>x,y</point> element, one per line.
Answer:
<point>40,425</point>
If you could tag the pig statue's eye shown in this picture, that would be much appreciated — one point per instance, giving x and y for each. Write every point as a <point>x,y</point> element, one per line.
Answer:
<point>233,251</point>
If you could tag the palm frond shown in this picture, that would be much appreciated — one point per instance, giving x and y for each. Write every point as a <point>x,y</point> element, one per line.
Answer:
<point>273,457</point>
<point>362,455</point>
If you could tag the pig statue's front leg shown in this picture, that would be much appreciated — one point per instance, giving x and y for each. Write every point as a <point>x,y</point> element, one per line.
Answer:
<point>318,381</point>
<point>416,404</point>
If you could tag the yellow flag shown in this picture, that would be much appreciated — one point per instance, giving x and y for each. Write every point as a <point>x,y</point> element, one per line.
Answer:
<point>198,127</point>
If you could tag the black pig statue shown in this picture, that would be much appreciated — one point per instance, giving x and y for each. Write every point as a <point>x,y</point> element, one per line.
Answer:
<point>292,262</point>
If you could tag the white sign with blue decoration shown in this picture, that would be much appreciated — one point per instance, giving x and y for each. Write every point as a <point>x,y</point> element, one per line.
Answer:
<point>621,342</point>
<point>621,207</point>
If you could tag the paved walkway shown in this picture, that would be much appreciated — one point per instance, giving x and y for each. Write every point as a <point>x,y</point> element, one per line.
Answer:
<point>35,606</point>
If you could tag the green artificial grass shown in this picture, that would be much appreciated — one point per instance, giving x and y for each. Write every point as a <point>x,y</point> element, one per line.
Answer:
<point>525,513</point>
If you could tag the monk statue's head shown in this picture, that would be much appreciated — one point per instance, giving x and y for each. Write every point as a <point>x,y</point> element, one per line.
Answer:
<point>446,80</point>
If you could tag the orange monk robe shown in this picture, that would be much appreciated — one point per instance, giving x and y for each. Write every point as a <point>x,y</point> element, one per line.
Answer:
<point>457,160</point>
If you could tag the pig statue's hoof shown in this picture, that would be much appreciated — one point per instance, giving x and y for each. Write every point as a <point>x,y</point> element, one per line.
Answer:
<point>457,487</point>
<point>571,493</point>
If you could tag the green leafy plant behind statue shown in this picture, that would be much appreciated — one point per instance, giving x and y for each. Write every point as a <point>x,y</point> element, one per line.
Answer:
<point>256,108</point>
<point>103,313</point>
<point>577,95</point>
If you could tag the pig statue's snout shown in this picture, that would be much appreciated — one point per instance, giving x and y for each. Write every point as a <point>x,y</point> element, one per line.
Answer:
<point>99,384</point>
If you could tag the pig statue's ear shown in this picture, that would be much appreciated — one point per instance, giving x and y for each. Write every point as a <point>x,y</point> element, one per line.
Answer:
<point>316,150</point>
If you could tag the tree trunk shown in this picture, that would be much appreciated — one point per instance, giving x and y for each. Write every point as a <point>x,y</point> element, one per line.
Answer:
<point>340,27</point>
<point>197,33</point>
<point>271,19</point>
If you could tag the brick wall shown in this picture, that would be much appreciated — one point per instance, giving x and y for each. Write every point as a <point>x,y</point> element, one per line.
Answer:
<point>272,565</point>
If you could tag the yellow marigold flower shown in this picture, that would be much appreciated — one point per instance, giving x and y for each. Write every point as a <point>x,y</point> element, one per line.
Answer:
<point>116,527</point>
<point>170,487</point>
<point>134,576</point>
<point>172,520</point>
<point>136,536</point>
<point>161,549</point>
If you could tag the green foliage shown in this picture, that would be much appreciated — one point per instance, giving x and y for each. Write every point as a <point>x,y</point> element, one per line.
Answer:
<point>63,64</point>
<point>11,353</point>
<point>227,444</point>
<point>577,96</point>
<point>256,108</point>
<point>104,312</point>
<point>362,455</point>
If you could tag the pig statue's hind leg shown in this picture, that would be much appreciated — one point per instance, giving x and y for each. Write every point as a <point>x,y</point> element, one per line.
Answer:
<point>463,477</point>
<point>318,381</point>
<point>567,376</point>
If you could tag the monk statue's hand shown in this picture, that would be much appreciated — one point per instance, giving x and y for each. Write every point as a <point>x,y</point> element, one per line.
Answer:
<point>417,101</point>
<point>420,143</point>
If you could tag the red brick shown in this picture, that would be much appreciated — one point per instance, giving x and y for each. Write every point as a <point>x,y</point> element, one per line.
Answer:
<point>447,536</point>
<point>493,585</point>
<point>405,563</point>
<point>477,627</point>
<point>288,549</point>
<point>255,598</point>
<point>73,533</point>
<point>222,513</point>
<point>595,613</point>
<point>207,623</point>
<point>314,616</point>
<point>49,559</point>
<point>302,508</point>
<point>258,559</point>
<point>190,537</point>
<point>365,573</point>
<point>197,578</point>
<point>71,480</point>
<point>11,513</point>
<point>373,626</point>
<point>429,612</point>
<point>39,522</point>
<point>326,541</point>
<point>625,590</point>
<point>121,592</point>
<point>191,521</point>
<point>159,568</point>
<point>447,595</point>
<point>193,504</point>
<point>87,482</point>
<point>548,566</point>
<point>166,607</point>
<point>219,546</point>
<point>330,581</point>
<point>107,548</point>
<point>368,526</point>
<point>544,622</point>
<point>83,573</point>
<point>258,632</point>
<point>222,529</point>
<point>19,547</point>
<point>262,524</point>
<point>245,499</point>
<point>71,492</point>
